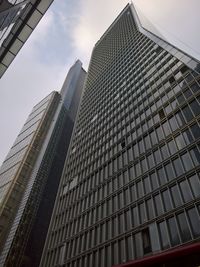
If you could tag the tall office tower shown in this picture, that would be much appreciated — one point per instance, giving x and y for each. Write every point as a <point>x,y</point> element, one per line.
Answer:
<point>30,174</point>
<point>18,18</point>
<point>129,194</point>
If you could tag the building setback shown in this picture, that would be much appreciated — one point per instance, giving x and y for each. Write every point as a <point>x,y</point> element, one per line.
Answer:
<point>18,18</point>
<point>130,189</point>
<point>30,174</point>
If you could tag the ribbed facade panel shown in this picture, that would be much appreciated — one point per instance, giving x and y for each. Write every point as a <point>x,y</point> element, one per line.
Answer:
<point>131,184</point>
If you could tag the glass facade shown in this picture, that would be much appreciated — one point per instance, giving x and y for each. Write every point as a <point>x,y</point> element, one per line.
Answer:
<point>36,160</point>
<point>130,186</point>
<point>20,161</point>
<point>18,18</point>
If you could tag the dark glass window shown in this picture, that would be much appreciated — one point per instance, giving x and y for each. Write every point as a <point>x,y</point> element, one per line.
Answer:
<point>161,114</point>
<point>164,151</point>
<point>136,151</point>
<point>180,141</point>
<point>195,130</point>
<point>150,209</point>
<point>195,87</point>
<point>187,136</point>
<point>184,69</point>
<point>195,107</point>
<point>151,161</point>
<point>157,156</point>
<point>173,123</point>
<point>130,154</point>
<point>147,142</point>
<point>194,183</point>
<point>160,133</point>
<point>144,165</point>
<point>194,222</point>
<point>172,147</point>
<point>178,166</point>
<point>180,119</point>
<point>147,186</point>
<point>129,246</point>
<point>164,235</point>
<point>166,128</point>
<point>195,156</point>
<point>142,211</point>
<point>185,190</point>
<point>153,180</point>
<point>123,143</point>
<point>180,99</point>
<point>187,161</point>
<point>167,200</point>
<point>146,241</point>
<point>162,176</point>
<point>138,169</point>
<point>172,80</point>
<point>133,193</point>
<point>135,216</point>
<point>169,171</point>
<point>153,138</point>
<point>187,113</point>
<point>176,196</point>
<point>184,228</point>
<point>187,93</point>
<point>140,189</point>
<point>158,203</point>
<point>173,231</point>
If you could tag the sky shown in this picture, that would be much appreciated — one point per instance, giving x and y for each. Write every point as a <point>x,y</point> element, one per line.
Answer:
<point>68,31</point>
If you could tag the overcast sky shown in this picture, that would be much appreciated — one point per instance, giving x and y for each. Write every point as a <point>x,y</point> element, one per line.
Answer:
<point>69,31</point>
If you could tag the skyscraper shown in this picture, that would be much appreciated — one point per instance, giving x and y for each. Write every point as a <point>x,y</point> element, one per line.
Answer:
<point>130,189</point>
<point>31,172</point>
<point>18,18</point>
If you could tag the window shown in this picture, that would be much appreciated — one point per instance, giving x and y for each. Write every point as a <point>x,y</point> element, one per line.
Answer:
<point>161,114</point>
<point>194,222</point>
<point>176,196</point>
<point>164,235</point>
<point>146,241</point>
<point>158,203</point>
<point>194,182</point>
<point>123,143</point>
<point>195,107</point>
<point>186,192</point>
<point>171,80</point>
<point>187,113</point>
<point>195,131</point>
<point>184,69</point>
<point>158,50</point>
<point>173,231</point>
<point>184,228</point>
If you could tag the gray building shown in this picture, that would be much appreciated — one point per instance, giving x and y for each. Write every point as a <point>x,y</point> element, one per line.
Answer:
<point>18,18</point>
<point>129,193</point>
<point>30,174</point>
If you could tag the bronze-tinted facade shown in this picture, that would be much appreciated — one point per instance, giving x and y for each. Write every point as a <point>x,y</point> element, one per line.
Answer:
<point>130,186</point>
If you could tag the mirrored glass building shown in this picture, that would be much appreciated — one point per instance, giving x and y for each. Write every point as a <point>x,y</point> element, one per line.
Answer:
<point>30,174</point>
<point>130,190</point>
<point>18,18</point>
